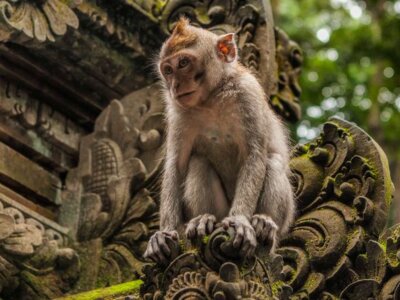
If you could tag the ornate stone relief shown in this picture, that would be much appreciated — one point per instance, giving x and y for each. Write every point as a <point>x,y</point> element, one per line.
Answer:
<point>33,254</point>
<point>36,117</point>
<point>40,19</point>
<point>112,196</point>
<point>343,188</point>
<point>285,95</point>
<point>212,269</point>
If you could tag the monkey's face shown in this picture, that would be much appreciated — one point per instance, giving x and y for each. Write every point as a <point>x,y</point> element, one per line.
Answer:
<point>193,61</point>
<point>184,74</point>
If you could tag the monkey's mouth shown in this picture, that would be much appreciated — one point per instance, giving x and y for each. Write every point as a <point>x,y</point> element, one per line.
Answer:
<point>184,96</point>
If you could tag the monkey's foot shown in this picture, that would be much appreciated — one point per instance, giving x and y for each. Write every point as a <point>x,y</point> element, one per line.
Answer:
<point>245,236</point>
<point>159,248</point>
<point>200,226</point>
<point>266,230</point>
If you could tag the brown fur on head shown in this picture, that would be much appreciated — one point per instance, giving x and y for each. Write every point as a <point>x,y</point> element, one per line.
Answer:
<point>181,37</point>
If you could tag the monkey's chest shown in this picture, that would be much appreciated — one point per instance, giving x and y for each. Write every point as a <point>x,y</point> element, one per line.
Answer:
<point>225,148</point>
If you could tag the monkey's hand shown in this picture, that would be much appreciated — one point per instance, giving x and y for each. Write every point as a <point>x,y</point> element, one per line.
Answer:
<point>266,230</point>
<point>158,249</point>
<point>245,237</point>
<point>200,226</point>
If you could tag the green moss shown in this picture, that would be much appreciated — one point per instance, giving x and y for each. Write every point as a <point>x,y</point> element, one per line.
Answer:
<point>205,239</point>
<point>276,287</point>
<point>131,287</point>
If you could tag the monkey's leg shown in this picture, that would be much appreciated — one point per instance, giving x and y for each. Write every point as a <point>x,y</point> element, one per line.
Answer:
<point>275,211</point>
<point>204,198</point>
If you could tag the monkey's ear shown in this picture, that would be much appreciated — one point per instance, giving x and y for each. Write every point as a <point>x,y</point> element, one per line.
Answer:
<point>226,47</point>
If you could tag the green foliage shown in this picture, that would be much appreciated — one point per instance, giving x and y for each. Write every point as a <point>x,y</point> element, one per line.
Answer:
<point>352,63</point>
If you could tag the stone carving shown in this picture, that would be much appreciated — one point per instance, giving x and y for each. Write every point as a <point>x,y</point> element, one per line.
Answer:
<point>116,183</point>
<point>101,22</point>
<point>343,188</point>
<point>33,254</point>
<point>40,19</point>
<point>285,95</point>
<point>213,270</point>
<point>332,248</point>
<point>34,115</point>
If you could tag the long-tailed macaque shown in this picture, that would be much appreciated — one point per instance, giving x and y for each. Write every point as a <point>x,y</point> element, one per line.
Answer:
<point>227,156</point>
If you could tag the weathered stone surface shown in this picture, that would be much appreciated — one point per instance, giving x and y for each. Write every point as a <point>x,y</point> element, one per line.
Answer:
<point>287,91</point>
<point>41,21</point>
<point>35,262</point>
<point>17,169</point>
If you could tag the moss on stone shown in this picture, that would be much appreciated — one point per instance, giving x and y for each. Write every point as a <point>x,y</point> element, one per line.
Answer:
<point>205,239</point>
<point>276,287</point>
<point>127,288</point>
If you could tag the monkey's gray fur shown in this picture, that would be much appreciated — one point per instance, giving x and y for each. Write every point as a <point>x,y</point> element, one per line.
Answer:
<point>227,154</point>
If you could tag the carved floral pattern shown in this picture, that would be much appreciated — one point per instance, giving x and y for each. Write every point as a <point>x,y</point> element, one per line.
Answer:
<point>42,20</point>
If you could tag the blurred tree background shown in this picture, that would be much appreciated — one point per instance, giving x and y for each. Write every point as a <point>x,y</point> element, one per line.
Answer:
<point>351,69</point>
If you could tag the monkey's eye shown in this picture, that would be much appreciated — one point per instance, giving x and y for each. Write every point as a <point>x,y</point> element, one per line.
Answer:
<point>168,70</point>
<point>183,62</point>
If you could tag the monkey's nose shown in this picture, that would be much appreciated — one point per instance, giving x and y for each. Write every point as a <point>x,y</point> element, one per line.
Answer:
<point>177,85</point>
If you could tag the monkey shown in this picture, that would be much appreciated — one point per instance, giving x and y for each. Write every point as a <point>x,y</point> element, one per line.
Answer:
<point>227,152</point>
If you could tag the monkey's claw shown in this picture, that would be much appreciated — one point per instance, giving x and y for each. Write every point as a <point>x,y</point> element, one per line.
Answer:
<point>158,249</point>
<point>266,230</point>
<point>200,226</point>
<point>245,236</point>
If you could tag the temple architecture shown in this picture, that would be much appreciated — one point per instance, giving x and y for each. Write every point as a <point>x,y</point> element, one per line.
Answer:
<point>81,132</point>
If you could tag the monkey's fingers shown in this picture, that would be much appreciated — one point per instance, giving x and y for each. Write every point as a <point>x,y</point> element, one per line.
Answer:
<point>191,227</point>
<point>173,234</point>
<point>150,253</point>
<point>157,251</point>
<point>258,225</point>
<point>191,230</point>
<point>249,243</point>
<point>237,242</point>
<point>162,243</point>
<point>226,223</point>
<point>210,225</point>
<point>201,228</point>
<point>268,236</point>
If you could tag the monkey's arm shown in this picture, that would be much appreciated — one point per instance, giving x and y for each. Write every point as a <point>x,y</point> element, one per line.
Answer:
<point>275,211</point>
<point>170,206</point>
<point>251,175</point>
<point>171,192</point>
<point>249,184</point>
